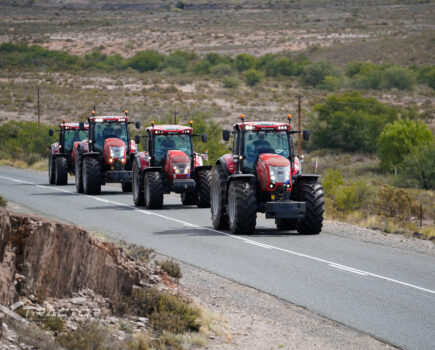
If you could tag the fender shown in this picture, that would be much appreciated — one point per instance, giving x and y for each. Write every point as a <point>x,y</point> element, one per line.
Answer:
<point>90,154</point>
<point>143,160</point>
<point>203,167</point>
<point>153,168</point>
<point>304,177</point>
<point>227,162</point>
<point>249,177</point>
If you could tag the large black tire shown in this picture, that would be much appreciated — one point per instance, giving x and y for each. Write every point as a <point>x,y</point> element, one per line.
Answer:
<point>153,189</point>
<point>203,180</point>
<point>286,224</point>
<point>126,186</point>
<point>137,186</point>
<point>51,170</point>
<point>61,172</point>
<point>188,198</point>
<point>78,171</point>
<point>312,195</point>
<point>218,198</point>
<point>242,207</point>
<point>91,175</point>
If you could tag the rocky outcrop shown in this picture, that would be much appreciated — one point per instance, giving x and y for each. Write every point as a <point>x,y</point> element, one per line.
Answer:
<point>59,259</point>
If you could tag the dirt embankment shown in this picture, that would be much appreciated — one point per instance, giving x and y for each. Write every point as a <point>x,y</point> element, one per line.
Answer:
<point>59,259</point>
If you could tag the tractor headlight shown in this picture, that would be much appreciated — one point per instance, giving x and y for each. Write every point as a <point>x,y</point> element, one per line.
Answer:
<point>279,174</point>
<point>116,152</point>
<point>181,169</point>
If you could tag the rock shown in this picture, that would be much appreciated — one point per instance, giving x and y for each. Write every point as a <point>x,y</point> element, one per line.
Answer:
<point>78,300</point>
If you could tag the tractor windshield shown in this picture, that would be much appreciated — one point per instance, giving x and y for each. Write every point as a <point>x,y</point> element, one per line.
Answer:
<point>72,136</point>
<point>164,143</point>
<point>258,142</point>
<point>106,130</point>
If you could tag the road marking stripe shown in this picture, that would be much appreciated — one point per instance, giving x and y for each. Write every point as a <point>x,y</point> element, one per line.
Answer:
<point>15,180</point>
<point>330,263</point>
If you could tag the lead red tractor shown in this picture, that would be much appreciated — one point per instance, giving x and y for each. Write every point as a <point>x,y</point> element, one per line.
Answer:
<point>61,161</point>
<point>264,175</point>
<point>106,155</point>
<point>169,164</point>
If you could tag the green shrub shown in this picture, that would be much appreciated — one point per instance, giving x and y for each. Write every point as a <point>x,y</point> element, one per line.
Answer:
<point>88,336</point>
<point>350,122</point>
<point>222,69</point>
<point>418,167</point>
<point>332,178</point>
<point>146,60</point>
<point>398,139</point>
<point>230,82</point>
<point>315,73</point>
<point>352,196</point>
<point>171,268</point>
<point>244,61</point>
<point>137,252</point>
<point>395,203</point>
<point>399,78</point>
<point>253,77</point>
<point>179,5</point>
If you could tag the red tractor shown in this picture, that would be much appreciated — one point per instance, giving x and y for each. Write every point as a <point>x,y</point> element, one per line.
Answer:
<point>61,160</point>
<point>106,155</point>
<point>170,164</point>
<point>264,175</point>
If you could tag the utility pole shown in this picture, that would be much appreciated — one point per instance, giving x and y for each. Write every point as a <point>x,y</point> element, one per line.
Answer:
<point>39,109</point>
<point>300,129</point>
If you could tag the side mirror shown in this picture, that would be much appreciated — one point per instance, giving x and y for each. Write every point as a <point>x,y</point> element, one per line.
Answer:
<point>204,138</point>
<point>137,125</point>
<point>306,135</point>
<point>50,132</point>
<point>225,135</point>
<point>82,126</point>
<point>137,139</point>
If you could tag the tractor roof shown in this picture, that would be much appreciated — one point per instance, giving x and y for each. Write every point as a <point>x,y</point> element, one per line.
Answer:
<point>170,129</point>
<point>262,125</point>
<point>109,118</point>
<point>70,126</point>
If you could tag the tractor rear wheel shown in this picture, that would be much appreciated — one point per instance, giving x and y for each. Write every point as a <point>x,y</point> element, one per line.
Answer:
<point>91,176</point>
<point>51,170</point>
<point>126,186</point>
<point>242,207</point>
<point>61,172</point>
<point>203,180</point>
<point>188,198</point>
<point>286,224</point>
<point>312,195</point>
<point>153,189</point>
<point>78,171</point>
<point>137,184</point>
<point>218,196</point>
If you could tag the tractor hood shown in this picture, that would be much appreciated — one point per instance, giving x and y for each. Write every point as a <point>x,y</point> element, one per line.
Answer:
<point>177,165</point>
<point>114,149</point>
<point>273,170</point>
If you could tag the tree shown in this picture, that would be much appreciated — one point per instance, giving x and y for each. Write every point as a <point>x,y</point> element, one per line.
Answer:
<point>399,78</point>
<point>253,77</point>
<point>398,139</point>
<point>315,73</point>
<point>350,122</point>
<point>418,167</point>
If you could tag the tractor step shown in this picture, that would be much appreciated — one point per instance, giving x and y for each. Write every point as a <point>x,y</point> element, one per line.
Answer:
<point>118,176</point>
<point>183,185</point>
<point>285,210</point>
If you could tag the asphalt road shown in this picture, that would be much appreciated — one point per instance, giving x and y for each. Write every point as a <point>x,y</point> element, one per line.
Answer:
<point>386,292</point>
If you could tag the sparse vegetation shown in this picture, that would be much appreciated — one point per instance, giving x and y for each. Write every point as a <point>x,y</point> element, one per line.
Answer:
<point>3,202</point>
<point>170,267</point>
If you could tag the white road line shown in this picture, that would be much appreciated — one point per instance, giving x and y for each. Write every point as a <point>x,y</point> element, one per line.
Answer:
<point>15,180</point>
<point>259,244</point>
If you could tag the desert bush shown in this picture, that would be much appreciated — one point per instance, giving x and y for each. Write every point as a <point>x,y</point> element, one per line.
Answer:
<point>398,77</point>
<point>3,202</point>
<point>244,62</point>
<point>332,178</point>
<point>88,336</point>
<point>137,252</point>
<point>398,139</point>
<point>146,60</point>
<point>222,69</point>
<point>352,196</point>
<point>315,73</point>
<point>171,268</point>
<point>426,75</point>
<point>166,312</point>
<point>180,5</point>
<point>252,76</point>
<point>395,203</point>
<point>230,82</point>
<point>418,167</point>
<point>350,122</point>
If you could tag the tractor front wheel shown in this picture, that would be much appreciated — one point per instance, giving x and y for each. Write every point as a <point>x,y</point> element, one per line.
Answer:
<point>137,184</point>
<point>51,170</point>
<point>78,171</point>
<point>153,190</point>
<point>91,176</point>
<point>242,207</point>
<point>188,198</point>
<point>312,195</point>
<point>203,180</point>
<point>218,198</point>
<point>61,172</point>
